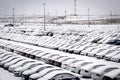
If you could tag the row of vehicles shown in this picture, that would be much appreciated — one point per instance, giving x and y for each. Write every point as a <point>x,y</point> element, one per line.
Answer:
<point>76,45</point>
<point>87,68</point>
<point>30,69</point>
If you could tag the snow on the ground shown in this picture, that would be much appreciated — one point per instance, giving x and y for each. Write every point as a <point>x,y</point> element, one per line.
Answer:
<point>6,75</point>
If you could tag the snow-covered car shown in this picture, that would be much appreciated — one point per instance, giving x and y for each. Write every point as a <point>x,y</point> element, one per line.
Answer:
<point>87,50</point>
<point>76,67</point>
<point>13,62</point>
<point>112,75</point>
<point>9,60</point>
<point>97,74</point>
<point>60,75</point>
<point>95,51</point>
<point>38,57</point>
<point>86,70</point>
<point>103,53</point>
<point>79,49</point>
<point>43,73</point>
<point>116,58</point>
<point>5,57</point>
<point>33,54</point>
<point>58,62</point>
<point>18,71</point>
<point>37,69</point>
<point>71,50</point>
<point>25,51</point>
<point>21,63</point>
<point>52,59</point>
<point>29,52</point>
<point>67,63</point>
<point>45,58</point>
<point>110,55</point>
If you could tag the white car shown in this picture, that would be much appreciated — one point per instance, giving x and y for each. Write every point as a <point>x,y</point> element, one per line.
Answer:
<point>33,54</point>
<point>5,54</point>
<point>110,55</point>
<point>52,59</point>
<point>94,52</point>
<point>79,49</point>
<point>37,69</point>
<point>5,57</point>
<point>29,52</point>
<point>87,50</point>
<point>18,71</point>
<point>67,63</point>
<point>116,58</point>
<point>98,73</point>
<point>60,60</point>
<point>9,60</point>
<point>76,67</point>
<point>103,53</point>
<point>86,70</point>
<point>45,58</point>
<point>112,75</point>
<point>43,73</point>
<point>60,75</point>
<point>12,67</point>
<point>13,62</point>
<point>38,57</point>
<point>71,50</point>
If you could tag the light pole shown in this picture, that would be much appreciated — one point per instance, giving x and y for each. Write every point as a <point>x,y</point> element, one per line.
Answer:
<point>111,17</point>
<point>88,17</point>
<point>13,17</point>
<point>44,17</point>
<point>75,7</point>
<point>56,17</point>
<point>65,15</point>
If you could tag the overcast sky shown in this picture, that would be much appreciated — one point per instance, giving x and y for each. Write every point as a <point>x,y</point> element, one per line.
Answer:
<point>36,6</point>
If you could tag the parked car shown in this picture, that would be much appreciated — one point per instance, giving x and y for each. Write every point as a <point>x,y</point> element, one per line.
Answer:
<point>36,52</point>
<point>13,67</point>
<point>86,70</point>
<point>98,73</point>
<point>38,57</point>
<point>43,73</point>
<point>5,57</point>
<point>67,63</point>
<point>95,51</point>
<point>13,62</point>
<point>76,67</point>
<point>37,69</point>
<point>79,49</point>
<point>112,75</point>
<point>110,55</point>
<point>116,58</point>
<point>18,71</point>
<point>45,58</point>
<point>29,52</point>
<point>52,59</point>
<point>60,60</point>
<point>8,60</point>
<point>87,50</point>
<point>103,53</point>
<point>60,74</point>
